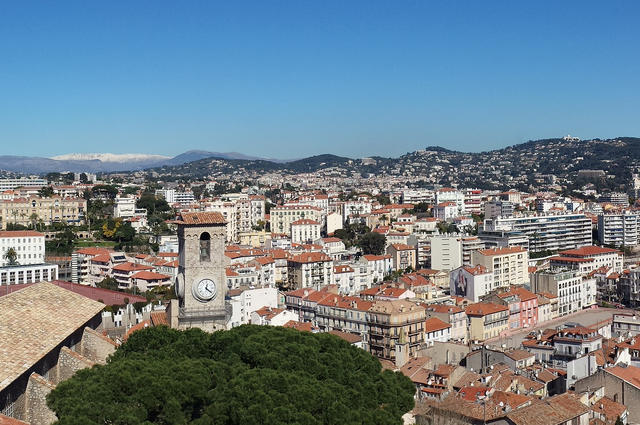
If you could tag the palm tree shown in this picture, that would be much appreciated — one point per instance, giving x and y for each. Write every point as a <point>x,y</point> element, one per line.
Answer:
<point>34,219</point>
<point>11,256</point>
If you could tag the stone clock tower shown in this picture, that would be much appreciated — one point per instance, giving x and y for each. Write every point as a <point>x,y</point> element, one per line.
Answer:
<point>201,283</point>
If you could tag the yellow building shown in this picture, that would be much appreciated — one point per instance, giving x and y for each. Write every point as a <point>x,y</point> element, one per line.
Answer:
<point>33,210</point>
<point>389,320</point>
<point>255,238</point>
<point>487,320</point>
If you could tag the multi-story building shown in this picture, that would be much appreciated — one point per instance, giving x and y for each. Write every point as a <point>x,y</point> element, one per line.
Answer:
<point>378,266</point>
<point>509,265</point>
<point>343,313</point>
<point>8,184</point>
<point>282,216</point>
<point>30,273</point>
<point>498,208</point>
<point>473,201</point>
<point>392,323</point>
<point>305,231</point>
<point>471,283</point>
<point>436,330</point>
<point>402,256</point>
<point>615,198</point>
<point>454,316</point>
<point>619,229</point>
<point>446,211</point>
<point>597,257</point>
<point>546,232</point>
<point>29,211</point>
<point>451,195</point>
<point>246,300</point>
<point>469,244</point>
<point>487,320</point>
<point>629,288</point>
<point>572,289</point>
<point>28,246</point>
<point>310,270</point>
<point>446,252</point>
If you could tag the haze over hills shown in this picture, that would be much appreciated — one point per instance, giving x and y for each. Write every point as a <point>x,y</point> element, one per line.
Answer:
<point>107,162</point>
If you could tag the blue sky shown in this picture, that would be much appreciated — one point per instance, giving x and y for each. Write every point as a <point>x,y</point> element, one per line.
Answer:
<point>290,79</point>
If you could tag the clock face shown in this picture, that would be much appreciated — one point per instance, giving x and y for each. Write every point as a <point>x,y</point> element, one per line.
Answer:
<point>205,290</point>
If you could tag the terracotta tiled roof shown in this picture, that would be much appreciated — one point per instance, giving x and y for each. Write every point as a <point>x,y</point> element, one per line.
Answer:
<point>105,296</point>
<point>6,420</point>
<point>141,325</point>
<point>301,326</point>
<point>131,267</point>
<point>147,275</point>
<point>434,324</point>
<point>19,234</point>
<point>159,318</point>
<point>588,250</point>
<point>483,309</point>
<point>202,218</point>
<point>35,320</point>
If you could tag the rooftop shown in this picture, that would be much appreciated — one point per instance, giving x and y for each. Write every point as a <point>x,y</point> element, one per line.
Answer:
<point>34,321</point>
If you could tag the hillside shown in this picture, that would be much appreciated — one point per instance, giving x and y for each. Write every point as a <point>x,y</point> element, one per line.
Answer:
<point>520,165</point>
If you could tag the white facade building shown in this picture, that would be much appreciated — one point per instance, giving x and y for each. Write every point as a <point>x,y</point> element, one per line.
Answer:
<point>246,301</point>
<point>29,246</point>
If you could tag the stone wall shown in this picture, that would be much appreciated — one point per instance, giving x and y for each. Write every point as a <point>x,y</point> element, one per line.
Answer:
<point>69,362</point>
<point>95,346</point>
<point>37,412</point>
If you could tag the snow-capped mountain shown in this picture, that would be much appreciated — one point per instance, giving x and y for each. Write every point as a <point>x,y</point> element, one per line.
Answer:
<point>110,157</point>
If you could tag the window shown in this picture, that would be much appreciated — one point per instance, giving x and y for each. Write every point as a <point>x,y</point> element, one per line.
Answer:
<point>205,247</point>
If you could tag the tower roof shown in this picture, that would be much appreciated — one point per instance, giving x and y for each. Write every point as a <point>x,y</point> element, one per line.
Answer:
<point>201,218</point>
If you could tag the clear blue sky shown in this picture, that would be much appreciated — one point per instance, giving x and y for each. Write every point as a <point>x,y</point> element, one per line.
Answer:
<point>290,79</point>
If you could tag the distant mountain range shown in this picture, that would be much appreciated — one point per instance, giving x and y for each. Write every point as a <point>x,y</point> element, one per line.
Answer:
<point>108,162</point>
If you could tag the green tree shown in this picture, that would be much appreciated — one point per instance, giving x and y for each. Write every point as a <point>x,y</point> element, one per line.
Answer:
<point>248,375</point>
<point>108,283</point>
<point>372,243</point>
<point>46,192</point>
<point>11,256</point>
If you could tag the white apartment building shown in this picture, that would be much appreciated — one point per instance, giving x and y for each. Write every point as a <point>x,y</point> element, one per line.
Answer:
<point>510,266</point>
<point>446,211</point>
<point>451,195</point>
<point>247,300</point>
<point>283,216</point>
<point>619,229</point>
<point>305,231</point>
<point>446,252</point>
<point>125,207</point>
<point>548,231</point>
<point>173,196</point>
<point>471,283</point>
<point>8,184</point>
<point>599,257</point>
<point>378,266</point>
<point>29,246</point>
<point>416,196</point>
<point>473,201</point>
<point>30,273</point>
<point>574,292</point>
<point>355,208</point>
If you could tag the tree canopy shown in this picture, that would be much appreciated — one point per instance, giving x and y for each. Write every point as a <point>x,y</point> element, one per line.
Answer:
<point>247,375</point>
